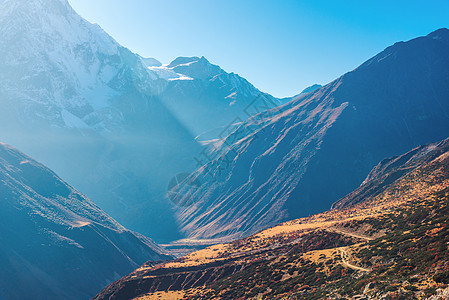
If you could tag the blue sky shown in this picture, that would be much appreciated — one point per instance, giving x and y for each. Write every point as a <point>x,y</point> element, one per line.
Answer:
<point>279,46</point>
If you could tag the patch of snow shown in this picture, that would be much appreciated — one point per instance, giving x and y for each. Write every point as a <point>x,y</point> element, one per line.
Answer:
<point>231,96</point>
<point>182,77</point>
<point>168,74</point>
<point>187,64</point>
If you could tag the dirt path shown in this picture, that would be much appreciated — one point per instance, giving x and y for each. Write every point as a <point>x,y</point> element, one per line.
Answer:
<point>344,256</point>
<point>363,237</point>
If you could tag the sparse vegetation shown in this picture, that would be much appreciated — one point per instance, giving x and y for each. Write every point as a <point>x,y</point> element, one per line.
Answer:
<point>394,245</point>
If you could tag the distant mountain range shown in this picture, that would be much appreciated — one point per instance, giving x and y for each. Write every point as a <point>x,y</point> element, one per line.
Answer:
<point>190,154</point>
<point>55,242</point>
<point>114,124</point>
<point>299,158</point>
<point>204,97</point>
<point>386,240</point>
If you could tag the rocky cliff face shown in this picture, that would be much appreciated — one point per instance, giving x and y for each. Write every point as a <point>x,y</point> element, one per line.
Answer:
<point>299,158</point>
<point>55,242</point>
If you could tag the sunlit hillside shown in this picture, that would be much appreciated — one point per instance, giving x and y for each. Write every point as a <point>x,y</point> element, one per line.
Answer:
<point>393,244</point>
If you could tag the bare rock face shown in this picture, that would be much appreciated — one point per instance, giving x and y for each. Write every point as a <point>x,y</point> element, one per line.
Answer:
<point>298,159</point>
<point>55,242</point>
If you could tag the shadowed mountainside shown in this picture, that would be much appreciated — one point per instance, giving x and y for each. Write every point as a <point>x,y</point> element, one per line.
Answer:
<point>54,242</point>
<point>127,124</point>
<point>392,170</point>
<point>299,158</point>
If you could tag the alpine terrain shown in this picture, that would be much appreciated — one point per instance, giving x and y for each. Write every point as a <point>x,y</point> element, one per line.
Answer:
<point>55,243</point>
<point>390,244</point>
<point>114,124</point>
<point>299,158</point>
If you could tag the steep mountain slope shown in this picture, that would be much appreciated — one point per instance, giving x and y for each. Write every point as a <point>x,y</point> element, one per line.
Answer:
<point>68,90</point>
<point>394,245</point>
<point>62,70</point>
<point>205,97</point>
<point>392,170</point>
<point>311,88</point>
<point>56,243</point>
<point>299,158</point>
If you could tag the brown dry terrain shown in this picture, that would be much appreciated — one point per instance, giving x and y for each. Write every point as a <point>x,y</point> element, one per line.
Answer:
<point>393,245</point>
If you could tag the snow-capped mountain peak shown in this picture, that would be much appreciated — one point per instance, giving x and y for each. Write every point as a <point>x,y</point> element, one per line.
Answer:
<point>75,66</point>
<point>185,68</point>
<point>68,89</point>
<point>183,61</point>
<point>199,68</point>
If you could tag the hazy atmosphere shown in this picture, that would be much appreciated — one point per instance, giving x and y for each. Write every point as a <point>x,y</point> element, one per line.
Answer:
<point>196,150</point>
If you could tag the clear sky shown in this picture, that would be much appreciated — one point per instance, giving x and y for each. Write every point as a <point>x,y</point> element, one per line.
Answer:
<point>279,46</point>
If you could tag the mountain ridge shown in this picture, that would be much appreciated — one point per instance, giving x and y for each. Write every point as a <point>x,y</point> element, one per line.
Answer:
<point>68,89</point>
<point>392,170</point>
<point>391,245</point>
<point>277,161</point>
<point>56,243</point>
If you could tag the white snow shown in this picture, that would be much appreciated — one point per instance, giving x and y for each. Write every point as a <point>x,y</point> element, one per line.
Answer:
<point>181,77</point>
<point>187,64</point>
<point>168,74</point>
<point>231,95</point>
<point>60,62</point>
